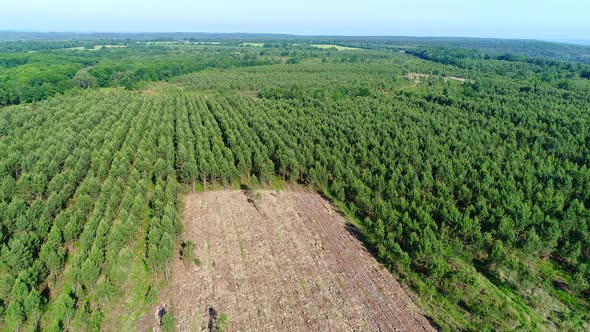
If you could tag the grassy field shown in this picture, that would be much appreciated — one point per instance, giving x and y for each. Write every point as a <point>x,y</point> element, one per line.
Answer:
<point>181,43</point>
<point>96,48</point>
<point>338,47</point>
<point>252,44</point>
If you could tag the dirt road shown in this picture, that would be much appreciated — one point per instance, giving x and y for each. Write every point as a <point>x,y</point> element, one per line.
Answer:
<point>282,262</point>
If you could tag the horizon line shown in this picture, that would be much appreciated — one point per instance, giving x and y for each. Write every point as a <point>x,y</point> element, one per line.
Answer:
<point>573,41</point>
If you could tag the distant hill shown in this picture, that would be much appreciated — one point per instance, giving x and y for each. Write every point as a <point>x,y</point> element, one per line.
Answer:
<point>566,50</point>
<point>571,41</point>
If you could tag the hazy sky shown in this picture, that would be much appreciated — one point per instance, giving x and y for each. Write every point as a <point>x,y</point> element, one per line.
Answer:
<point>542,19</point>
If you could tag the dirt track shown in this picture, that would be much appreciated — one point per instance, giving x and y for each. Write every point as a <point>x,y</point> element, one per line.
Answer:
<point>285,262</point>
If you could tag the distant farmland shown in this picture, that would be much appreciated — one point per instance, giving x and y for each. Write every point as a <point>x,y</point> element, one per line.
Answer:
<point>338,47</point>
<point>96,47</point>
<point>253,44</point>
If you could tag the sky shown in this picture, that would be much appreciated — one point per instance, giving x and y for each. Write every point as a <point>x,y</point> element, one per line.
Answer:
<point>538,19</point>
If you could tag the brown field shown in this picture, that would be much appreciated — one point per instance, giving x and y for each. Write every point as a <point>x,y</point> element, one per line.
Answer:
<point>417,78</point>
<point>283,261</point>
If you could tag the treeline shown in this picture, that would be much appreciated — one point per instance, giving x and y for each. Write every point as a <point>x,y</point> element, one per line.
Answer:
<point>492,47</point>
<point>26,78</point>
<point>17,46</point>
<point>564,75</point>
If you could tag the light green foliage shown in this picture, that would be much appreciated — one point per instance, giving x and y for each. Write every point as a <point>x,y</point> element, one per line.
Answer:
<point>253,44</point>
<point>168,322</point>
<point>221,323</point>
<point>336,47</point>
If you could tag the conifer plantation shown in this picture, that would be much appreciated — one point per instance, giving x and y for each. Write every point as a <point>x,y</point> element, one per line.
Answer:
<point>464,167</point>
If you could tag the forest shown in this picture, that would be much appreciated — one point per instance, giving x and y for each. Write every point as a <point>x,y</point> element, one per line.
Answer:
<point>464,167</point>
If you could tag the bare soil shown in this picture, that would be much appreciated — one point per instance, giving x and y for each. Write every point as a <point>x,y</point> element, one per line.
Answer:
<point>281,261</point>
<point>249,93</point>
<point>417,78</point>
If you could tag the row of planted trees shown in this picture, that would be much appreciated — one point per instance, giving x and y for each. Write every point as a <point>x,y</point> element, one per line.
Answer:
<point>90,187</point>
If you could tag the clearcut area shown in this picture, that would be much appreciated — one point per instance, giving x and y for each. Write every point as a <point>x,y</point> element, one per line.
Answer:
<point>281,261</point>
